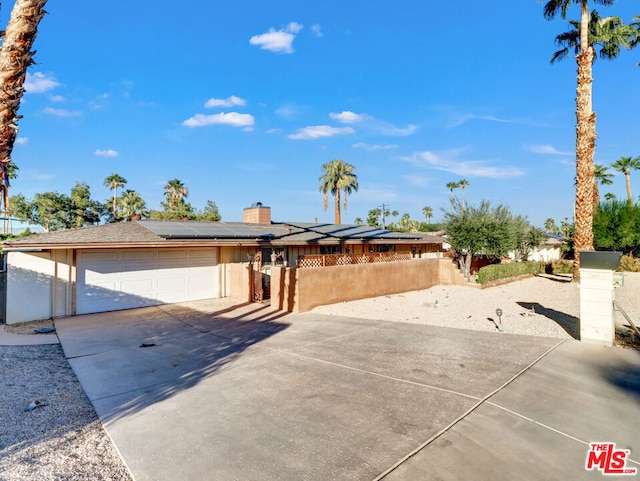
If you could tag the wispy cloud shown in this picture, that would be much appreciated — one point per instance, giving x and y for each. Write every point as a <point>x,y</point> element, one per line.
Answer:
<point>61,112</point>
<point>348,117</point>
<point>106,153</point>
<point>374,147</point>
<point>449,161</point>
<point>37,83</point>
<point>232,101</point>
<point>546,149</point>
<point>317,30</point>
<point>22,140</point>
<point>57,98</point>
<point>279,41</point>
<point>385,128</point>
<point>288,112</point>
<point>459,118</point>
<point>320,131</point>
<point>233,119</point>
<point>417,180</point>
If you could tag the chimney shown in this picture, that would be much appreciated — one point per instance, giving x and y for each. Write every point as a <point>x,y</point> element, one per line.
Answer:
<point>257,214</point>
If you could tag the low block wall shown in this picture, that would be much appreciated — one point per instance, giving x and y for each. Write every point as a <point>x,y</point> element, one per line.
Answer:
<point>239,281</point>
<point>300,290</point>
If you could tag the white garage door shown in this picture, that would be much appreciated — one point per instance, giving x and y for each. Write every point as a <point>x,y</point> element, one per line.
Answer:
<point>111,280</point>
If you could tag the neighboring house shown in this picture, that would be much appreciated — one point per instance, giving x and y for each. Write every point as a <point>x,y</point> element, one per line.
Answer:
<point>549,250</point>
<point>144,263</point>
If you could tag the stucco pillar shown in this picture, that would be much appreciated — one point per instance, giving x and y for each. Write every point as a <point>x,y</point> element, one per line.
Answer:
<point>596,306</point>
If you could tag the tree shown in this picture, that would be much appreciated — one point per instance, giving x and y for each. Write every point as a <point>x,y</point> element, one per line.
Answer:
<point>624,165</point>
<point>373,217</point>
<point>15,57</point>
<point>8,172</point>
<point>462,184</point>
<point>452,186</point>
<point>489,231</point>
<point>210,213</point>
<point>175,192</point>
<point>338,177</point>
<point>406,224</point>
<point>428,213</point>
<point>609,196</point>
<point>113,182</point>
<point>616,226</point>
<point>83,210</point>
<point>395,215</point>
<point>551,227</point>
<point>131,204</point>
<point>358,221</point>
<point>581,39</point>
<point>601,177</point>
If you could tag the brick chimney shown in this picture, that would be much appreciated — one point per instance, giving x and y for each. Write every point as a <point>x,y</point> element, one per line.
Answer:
<point>257,214</point>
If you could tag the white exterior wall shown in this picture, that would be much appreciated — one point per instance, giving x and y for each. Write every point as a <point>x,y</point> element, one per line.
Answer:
<point>38,285</point>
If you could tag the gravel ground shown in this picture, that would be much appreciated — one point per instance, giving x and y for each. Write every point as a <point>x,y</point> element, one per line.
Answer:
<point>547,306</point>
<point>62,440</point>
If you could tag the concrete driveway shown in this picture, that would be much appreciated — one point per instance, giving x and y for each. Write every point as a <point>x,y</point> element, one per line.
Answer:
<point>230,391</point>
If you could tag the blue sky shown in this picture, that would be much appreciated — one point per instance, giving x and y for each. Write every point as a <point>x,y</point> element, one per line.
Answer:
<point>244,101</point>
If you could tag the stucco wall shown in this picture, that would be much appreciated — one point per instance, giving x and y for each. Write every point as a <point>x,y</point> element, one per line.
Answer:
<point>238,281</point>
<point>38,285</point>
<point>300,290</point>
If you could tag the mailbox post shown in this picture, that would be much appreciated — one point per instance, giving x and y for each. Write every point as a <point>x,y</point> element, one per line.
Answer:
<point>596,296</point>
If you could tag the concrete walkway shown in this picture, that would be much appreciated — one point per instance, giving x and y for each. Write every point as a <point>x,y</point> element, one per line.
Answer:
<point>216,390</point>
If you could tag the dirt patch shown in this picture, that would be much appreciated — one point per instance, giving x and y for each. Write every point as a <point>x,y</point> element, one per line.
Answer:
<point>28,327</point>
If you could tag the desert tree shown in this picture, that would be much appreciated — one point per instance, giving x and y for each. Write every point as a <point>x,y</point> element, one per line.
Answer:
<point>624,165</point>
<point>338,178</point>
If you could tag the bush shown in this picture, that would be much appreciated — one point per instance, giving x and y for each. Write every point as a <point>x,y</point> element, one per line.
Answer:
<point>504,271</point>
<point>629,263</point>
<point>560,266</point>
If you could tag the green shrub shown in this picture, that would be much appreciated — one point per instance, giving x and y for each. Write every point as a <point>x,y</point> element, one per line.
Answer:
<point>629,263</point>
<point>504,271</point>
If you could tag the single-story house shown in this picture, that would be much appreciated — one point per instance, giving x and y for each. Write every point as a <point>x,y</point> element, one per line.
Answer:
<point>550,249</point>
<point>143,263</point>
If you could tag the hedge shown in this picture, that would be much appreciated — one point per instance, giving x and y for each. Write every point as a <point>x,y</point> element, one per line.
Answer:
<point>504,271</point>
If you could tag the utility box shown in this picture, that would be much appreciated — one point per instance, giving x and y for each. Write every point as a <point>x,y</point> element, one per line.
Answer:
<point>596,296</point>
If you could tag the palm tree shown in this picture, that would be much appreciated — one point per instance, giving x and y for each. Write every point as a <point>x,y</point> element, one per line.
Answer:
<point>609,196</point>
<point>358,221</point>
<point>113,182</point>
<point>175,192</point>
<point>624,165</point>
<point>428,213</point>
<point>338,176</point>
<point>395,215</point>
<point>452,186</point>
<point>600,177</point>
<point>15,57</point>
<point>131,204</point>
<point>462,184</point>
<point>582,40</point>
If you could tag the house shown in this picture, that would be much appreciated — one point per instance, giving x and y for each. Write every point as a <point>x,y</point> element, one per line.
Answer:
<point>144,263</point>
<point>550,249</point>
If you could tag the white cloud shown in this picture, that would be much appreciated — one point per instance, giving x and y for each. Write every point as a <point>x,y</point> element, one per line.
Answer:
<point>374,147</point>
<point>61,112</point>
<point>288,112</point>
<point>449,162</point>
<point>38,83</point>
<point>385,128</point>
<point>273,131</point>
<point>232,101</point>
<point>417,180</point>
<point>22,140</point>
<point>348,117</point>
<point>234,119</point>
<point>279,41</point>
<point>547,150</point>
<point>106,153</point>
<point>320,131</point>
<point>317,30</point>
<point>57,98</point>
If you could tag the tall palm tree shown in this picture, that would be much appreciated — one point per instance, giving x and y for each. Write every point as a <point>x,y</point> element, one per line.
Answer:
<point>600,177</point>
<point>452,186</point>
<point>338,177</point>
<point>462,184</point>
<point>428,213</point>
<point>175,192</point>
<point>582,44</point>
<point>624,165</point>
<point>112,183</point>
<point>15,57</point>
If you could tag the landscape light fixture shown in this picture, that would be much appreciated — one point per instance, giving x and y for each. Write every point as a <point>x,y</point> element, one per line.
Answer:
<point>499,314</point>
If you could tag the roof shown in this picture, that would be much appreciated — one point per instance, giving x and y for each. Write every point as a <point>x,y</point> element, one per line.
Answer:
<point>153,233</point>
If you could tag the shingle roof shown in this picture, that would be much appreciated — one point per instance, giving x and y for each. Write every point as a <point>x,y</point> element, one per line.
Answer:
<point>158,233</point>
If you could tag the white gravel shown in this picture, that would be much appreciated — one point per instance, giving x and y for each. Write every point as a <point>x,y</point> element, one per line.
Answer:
<point>554,299</point>
<point>61,440</point>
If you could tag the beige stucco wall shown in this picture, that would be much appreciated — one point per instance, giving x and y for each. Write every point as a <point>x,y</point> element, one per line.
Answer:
<point>39,285</point>
<point>238,281</point>
<point>300,290</point>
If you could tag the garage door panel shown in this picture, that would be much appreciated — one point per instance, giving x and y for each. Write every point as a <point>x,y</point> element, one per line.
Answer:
<point>145,278</point>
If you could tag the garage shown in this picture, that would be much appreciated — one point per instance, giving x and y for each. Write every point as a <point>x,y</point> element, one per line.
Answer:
<point>115,279</point>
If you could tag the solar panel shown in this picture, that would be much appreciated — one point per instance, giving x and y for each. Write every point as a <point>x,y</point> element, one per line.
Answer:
<point>210,230</point>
